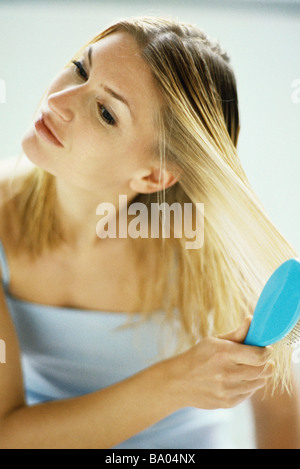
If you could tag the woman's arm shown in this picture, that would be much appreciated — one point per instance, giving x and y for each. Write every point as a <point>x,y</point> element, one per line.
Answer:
<point>98,420</point>
<point>277,419</point>
<point>215,373</point>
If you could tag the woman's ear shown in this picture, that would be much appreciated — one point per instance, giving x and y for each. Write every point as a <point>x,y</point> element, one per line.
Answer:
<point>154,180</point>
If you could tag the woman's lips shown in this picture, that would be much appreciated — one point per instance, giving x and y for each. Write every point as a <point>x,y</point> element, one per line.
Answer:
<point>45,132</point>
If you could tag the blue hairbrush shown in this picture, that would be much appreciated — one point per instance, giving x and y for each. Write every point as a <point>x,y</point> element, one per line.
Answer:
<point>277,312</point>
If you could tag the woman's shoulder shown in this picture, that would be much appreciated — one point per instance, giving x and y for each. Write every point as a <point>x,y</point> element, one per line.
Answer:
<point>14,166</point>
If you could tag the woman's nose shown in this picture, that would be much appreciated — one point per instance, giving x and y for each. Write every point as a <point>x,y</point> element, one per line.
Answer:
<point>62,104</point>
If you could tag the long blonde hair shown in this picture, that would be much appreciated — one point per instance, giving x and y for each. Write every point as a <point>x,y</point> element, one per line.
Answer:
<point>208,290</point>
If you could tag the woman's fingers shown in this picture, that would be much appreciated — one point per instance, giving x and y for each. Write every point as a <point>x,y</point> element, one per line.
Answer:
<point>249,355</point>
<point>250,373</point>
<point>219,372</point>
<point>238,335</point>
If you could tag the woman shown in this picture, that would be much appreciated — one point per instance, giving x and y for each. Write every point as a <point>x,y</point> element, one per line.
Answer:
<point>147,109</point>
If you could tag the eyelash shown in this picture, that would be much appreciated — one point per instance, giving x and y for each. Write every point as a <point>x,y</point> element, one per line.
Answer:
<point>105,115</point>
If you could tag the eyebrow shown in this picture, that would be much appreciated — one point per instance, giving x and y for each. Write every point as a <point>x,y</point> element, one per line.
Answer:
<point>108,90</point>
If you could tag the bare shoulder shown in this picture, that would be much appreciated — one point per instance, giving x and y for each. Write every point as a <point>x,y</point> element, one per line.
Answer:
<point>11,168</point>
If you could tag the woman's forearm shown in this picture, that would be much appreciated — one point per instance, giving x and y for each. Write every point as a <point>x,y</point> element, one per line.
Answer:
<point>277,420</point>
<point>98,420</point>
<point>278,433</point>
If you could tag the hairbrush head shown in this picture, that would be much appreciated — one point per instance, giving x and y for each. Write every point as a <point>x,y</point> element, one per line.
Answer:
<point>277,313</point>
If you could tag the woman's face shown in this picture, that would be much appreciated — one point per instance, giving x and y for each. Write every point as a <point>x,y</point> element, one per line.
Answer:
<point>102,112</point>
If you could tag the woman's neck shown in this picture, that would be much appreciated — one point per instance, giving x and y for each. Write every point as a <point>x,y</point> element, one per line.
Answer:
<point>77,213</point>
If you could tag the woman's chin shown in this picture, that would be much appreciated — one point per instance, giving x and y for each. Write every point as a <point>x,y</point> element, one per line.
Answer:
<point>33,149</point>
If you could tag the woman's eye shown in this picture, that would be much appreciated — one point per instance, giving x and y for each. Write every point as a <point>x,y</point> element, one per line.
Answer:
<point>106,116</point>
<point>80,69</point>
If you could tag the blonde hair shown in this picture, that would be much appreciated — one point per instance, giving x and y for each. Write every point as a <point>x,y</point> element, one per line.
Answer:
<point>209,290</point>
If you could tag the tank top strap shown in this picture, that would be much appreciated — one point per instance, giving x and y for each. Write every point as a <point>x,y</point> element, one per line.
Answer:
<point>4,268</point>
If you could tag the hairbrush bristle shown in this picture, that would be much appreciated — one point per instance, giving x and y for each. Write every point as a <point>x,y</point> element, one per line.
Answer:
<point>294,336</point>
<point>281,355</point>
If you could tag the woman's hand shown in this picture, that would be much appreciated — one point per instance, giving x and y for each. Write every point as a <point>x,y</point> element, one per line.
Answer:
<point>219,372</point>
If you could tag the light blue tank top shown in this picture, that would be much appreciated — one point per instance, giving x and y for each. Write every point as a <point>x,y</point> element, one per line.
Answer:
<point>68,352</point>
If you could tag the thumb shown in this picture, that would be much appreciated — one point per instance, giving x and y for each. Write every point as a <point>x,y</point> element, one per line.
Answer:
<point>239,334</point>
